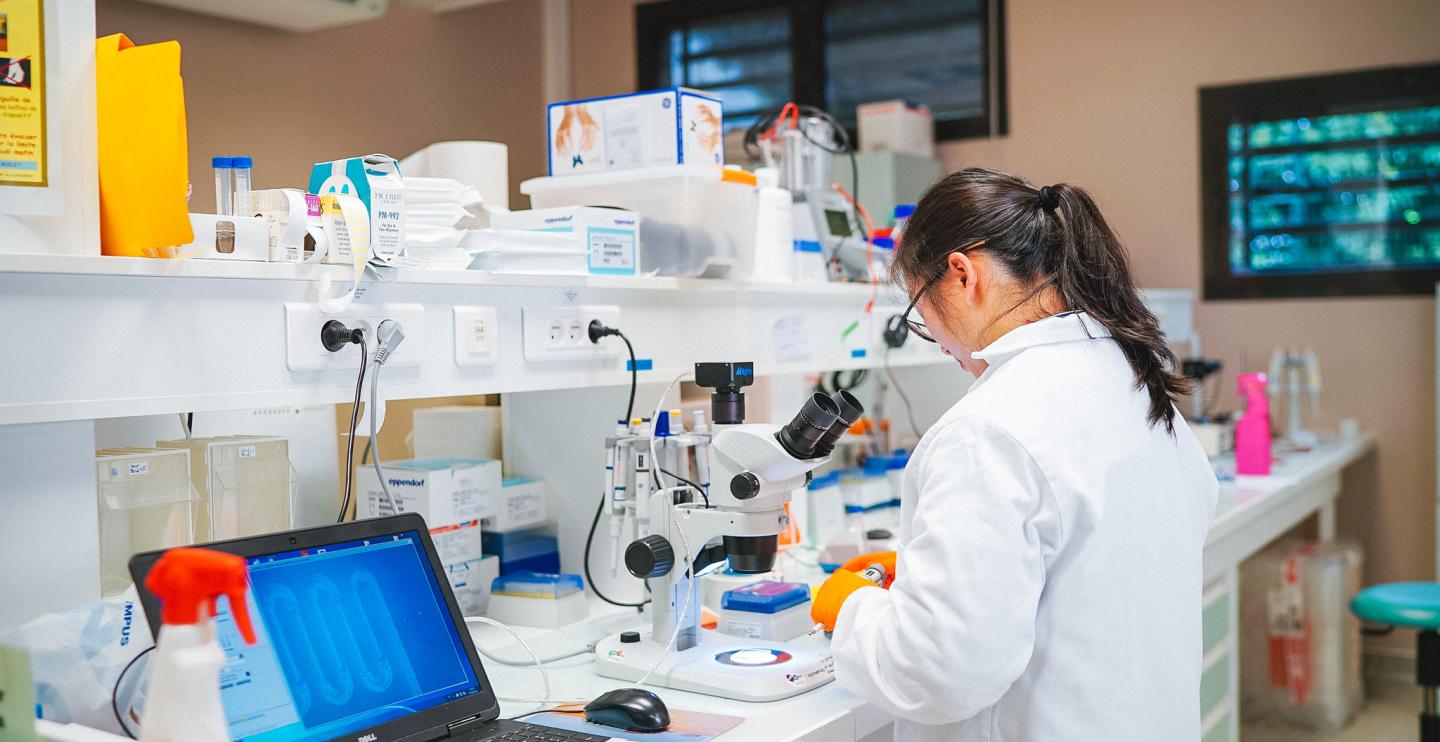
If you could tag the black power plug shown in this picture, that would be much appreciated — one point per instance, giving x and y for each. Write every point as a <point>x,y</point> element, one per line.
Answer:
<point>334,335</point>
<point>598,330</point>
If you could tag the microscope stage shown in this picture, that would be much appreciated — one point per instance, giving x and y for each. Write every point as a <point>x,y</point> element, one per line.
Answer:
<point>723,665</point>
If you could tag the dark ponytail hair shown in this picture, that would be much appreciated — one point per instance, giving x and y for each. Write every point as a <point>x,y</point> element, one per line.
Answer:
<point>1048,237</point>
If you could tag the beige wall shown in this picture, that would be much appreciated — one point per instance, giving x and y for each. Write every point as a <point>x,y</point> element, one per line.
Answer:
<point>391,85</point>
<point>1103,94</point>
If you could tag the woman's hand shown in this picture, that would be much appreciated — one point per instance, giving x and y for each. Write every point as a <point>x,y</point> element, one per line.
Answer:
<point>825,609</point>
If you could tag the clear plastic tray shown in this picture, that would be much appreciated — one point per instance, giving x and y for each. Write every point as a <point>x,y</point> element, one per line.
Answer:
<point>145,502</point>
<point>696,220</point>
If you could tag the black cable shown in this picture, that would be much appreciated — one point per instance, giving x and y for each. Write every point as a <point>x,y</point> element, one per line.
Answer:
<point>595,335</point>
<point>634,377</point>
<point>909,413</point>
<point>687,483</point>
<point>538,712</point>
<point>115,691</point>
<point>354,421</point>
<point>589,540</point>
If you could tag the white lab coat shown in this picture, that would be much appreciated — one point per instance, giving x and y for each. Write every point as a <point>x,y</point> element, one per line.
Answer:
<point>1049,577</point>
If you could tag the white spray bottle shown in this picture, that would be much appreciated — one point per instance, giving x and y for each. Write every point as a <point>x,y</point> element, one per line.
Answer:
<point>183,702</point>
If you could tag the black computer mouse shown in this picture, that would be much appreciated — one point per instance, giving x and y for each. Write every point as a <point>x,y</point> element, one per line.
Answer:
<point>631,709</point>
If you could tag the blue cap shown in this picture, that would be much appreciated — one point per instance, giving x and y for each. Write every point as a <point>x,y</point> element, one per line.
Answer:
<point>242,162</point>
<point>222,162</point>
<point>884,243</point>
<point>662,425</point>
<point>903,211</point>
<point>825,480</point>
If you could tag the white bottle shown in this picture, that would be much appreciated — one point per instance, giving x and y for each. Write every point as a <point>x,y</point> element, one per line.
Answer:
<point>183,701</point>
<point>774,229</point>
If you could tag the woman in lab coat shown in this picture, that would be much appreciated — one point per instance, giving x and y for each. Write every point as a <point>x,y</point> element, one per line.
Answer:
<point>1049,573</point>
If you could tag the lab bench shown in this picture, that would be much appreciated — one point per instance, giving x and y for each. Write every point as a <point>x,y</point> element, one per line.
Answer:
<point>1252,512</point>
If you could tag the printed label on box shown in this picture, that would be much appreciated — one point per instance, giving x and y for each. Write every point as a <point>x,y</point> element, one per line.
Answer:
<point>140,467</point>
<point>612,250</point>
<point>247,452</point>
<point>747,629</point>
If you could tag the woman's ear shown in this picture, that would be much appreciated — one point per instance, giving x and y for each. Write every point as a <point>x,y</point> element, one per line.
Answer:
<point>963,267</point>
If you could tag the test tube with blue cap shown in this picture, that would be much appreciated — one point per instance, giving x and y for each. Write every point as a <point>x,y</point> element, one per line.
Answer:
<point>224,184</point>
<point>241,167</point>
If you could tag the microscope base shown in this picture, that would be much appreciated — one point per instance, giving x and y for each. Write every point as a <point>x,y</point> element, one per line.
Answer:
<point>717,666</point>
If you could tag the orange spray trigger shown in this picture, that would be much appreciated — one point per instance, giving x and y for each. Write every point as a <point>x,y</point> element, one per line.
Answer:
<point>187,579</point>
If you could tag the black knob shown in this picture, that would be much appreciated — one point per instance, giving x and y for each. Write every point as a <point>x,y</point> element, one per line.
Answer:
<point>630,637</point>
<point>745,485</point>
<point>649,557</point>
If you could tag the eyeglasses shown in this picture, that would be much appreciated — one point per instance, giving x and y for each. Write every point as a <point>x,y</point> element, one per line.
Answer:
<point>916,326</point>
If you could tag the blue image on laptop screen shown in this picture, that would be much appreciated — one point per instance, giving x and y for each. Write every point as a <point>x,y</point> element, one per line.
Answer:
<point>349,635</point>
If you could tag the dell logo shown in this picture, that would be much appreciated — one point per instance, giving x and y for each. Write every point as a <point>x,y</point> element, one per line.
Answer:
<point>366,738</point>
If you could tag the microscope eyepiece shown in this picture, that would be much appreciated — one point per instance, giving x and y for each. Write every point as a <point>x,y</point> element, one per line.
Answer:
<point>850,412</point>
<point>801,435</point>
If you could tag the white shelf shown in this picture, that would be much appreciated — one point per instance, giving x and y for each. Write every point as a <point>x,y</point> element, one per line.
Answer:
<point>94,337</point>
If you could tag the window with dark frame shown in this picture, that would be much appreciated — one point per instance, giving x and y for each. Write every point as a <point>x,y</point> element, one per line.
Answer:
<point>835,54</point>
<point>1322,186</point>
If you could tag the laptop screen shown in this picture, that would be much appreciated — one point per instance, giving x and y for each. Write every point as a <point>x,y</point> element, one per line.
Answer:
<point>349,636</point>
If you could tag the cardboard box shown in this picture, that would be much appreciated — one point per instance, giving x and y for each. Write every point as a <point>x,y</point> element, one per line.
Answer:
<point>620,132</point>
<point>456,431</point>
<point>290,214</point>
<point>458,542</point>
<point>521,502</point>
<point>896,126</point>
<point>443,491</point>
<point>470,580</point>
<point>611,237</point>
<point>376,181</point>
<point>227,238</point>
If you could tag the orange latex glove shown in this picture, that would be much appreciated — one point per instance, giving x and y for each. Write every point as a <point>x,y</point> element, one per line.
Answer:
<point>885,559</point>
<point>825,608</point>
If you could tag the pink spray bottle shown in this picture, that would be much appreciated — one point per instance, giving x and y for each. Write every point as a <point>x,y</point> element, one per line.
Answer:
<point>1252,433</point>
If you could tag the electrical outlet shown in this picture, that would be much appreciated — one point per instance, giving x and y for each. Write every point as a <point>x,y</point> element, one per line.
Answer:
<point>477,335</point>
<point>303,351</point>
<point>563,333</point>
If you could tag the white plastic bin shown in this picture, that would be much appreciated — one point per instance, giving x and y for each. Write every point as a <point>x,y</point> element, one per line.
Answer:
<point>513,251</point>
<point>696,220</point>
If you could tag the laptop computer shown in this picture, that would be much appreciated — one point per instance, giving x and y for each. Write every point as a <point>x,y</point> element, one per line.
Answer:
<point>359,639</point>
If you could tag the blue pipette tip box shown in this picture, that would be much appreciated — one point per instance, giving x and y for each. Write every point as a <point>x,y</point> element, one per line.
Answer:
<point>767,596</point>
<point>537,584</point>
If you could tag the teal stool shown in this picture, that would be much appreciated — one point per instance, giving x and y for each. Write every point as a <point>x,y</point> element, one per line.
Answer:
<point>1411,605</point>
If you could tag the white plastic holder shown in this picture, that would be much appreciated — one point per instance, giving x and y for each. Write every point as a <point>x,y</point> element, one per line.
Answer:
<point>541,613</point>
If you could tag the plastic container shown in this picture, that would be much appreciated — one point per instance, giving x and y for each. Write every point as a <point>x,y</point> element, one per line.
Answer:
<point>245,483</point>
<point>546,614</point>
<point>242,167</point>
<point>774,229</point>
<point>145,503</point>
<point>775,611</point>
<point>809,262</point>
<point>902,215</point>
<point>1300,642</point>
<point>696,220</point>
<point>854,542</point>
<point>513,251</point>
<point>820,509</point>
<point>224,185</point>
<point>536,585</point>
<point>530,549</point>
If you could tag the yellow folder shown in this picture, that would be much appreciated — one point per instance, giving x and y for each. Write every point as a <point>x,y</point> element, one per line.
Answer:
<point>144,167</point>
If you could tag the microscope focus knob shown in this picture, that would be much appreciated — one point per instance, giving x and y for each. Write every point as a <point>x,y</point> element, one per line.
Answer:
<point>649,557</point>
<point>745,485</point>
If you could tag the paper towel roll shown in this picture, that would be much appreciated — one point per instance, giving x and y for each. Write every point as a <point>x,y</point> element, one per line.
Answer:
<point>483,165</point>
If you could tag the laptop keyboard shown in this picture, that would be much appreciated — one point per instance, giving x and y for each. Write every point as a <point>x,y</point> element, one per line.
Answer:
<point>544,734</point>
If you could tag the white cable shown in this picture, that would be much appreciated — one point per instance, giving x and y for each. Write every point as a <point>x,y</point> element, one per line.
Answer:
<point>655,418</point>
<point>544,674</point>
<point>375,439</point>
<point>681,619</point>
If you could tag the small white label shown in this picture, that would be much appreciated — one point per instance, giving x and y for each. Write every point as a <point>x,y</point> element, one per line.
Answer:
<point>140,467</point>
<point>747,629</point>
<point>612,251</point>
<point>247,452</point>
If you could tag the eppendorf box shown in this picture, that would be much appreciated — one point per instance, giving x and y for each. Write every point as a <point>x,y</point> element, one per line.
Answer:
<point>619,132</point>
<point>443,491</point>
